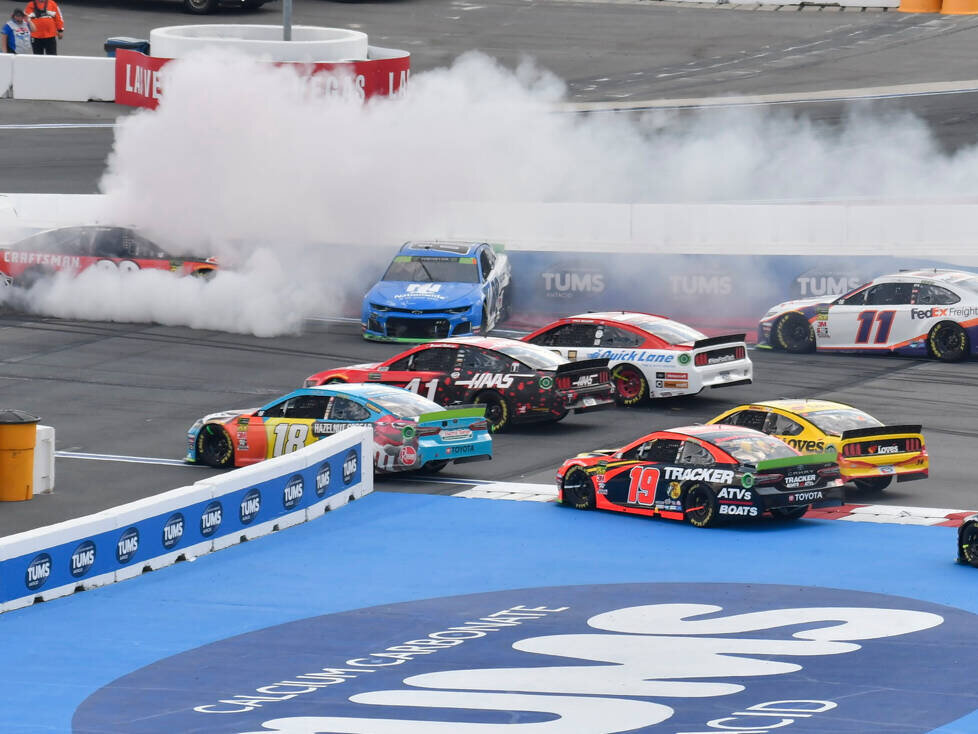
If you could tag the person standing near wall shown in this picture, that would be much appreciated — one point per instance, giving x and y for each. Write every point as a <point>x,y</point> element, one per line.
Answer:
<point>15,36</point>
<point>49,26</point>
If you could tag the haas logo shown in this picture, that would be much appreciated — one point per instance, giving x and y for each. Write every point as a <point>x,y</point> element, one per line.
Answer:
<point>485,379</point>
<point>584,381</point>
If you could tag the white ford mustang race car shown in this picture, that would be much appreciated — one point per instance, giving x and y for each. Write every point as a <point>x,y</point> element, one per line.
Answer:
<point>914,312</point>
<point>650,356</point>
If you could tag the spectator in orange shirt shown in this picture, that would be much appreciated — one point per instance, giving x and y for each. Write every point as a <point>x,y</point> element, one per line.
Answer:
<point>49,26</point>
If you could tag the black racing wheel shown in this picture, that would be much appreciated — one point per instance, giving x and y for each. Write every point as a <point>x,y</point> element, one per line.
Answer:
<point>214,447</point>
<point>497,410</point>
<point>789,513</point>
<point>873,484</point>
<point>700,506</point>
<point>578,489</point>
<point>794,334</point>
<point>968,544</point>
<point>631,387</point>
<point>948,342</point>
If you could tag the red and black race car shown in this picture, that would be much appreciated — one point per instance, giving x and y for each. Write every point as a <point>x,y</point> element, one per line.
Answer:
<point>517,382</point>
<point>703,474</point>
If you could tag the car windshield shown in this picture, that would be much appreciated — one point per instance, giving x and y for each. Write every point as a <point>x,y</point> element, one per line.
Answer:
<point>749,446</point>
<point>835,421</point>
<point>671,332</point>
<point>69,240</point>
<point>421,269</point>
<point>405,404</point>
<point>532,356</point>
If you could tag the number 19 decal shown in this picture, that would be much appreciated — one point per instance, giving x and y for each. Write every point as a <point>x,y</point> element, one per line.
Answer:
<point>641,489</point>
<point>883,321</point>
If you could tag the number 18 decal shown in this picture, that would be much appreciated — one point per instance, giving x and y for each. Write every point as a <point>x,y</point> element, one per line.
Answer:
<point>289,437</point>
<point>641,490</point>
<point>883,321</point>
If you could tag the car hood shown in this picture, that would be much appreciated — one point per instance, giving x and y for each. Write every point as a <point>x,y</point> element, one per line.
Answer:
<point>799,304</point>
<point>400,294</point>
<point>225,415</point>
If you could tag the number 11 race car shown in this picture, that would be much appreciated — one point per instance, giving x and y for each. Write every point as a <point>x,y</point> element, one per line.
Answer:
<point>410,432</point>
<point>703,474</point>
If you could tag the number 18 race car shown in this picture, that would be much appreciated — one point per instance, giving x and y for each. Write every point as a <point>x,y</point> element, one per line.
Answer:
<point>410,432</point>
<point>703,474</point>
<point>650,356</point>
<point>517,382</point>
<point>915,313</point>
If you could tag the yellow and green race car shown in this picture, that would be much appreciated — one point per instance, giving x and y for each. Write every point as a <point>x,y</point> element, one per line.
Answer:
<point>869,453</point>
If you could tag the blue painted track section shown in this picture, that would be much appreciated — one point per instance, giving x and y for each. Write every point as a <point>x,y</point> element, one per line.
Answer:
<point>392,568</point>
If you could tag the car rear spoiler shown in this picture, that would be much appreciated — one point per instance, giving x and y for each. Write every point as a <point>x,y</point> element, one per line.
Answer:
<point>461,411</point>
<point>583,365</point>
<point>879,431</point>
<point>826,458</point>
<point>715,340</point>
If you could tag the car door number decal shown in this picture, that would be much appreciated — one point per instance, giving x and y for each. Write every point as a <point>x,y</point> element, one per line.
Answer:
<point>431,386</point>
<point>883,321</point>
<point>289,437</point>
<point>641,489</point>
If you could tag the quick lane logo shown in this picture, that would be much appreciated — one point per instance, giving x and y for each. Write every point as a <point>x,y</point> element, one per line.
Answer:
<point>322,479</point>
<point>664,658</point>
<point>351,465</point>
<point>292,494</point>
<point>250,506</point>
<point>82,559</point>
<point>633,355</point>
<point>127,545</point>
<point>173,530</point>
<point>38,571</point>
<point>210,520</point>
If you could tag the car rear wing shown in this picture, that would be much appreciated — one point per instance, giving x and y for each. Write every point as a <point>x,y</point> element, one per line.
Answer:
<point>788,461</point>
<point>889,431</point>
<point>457,413</point>
<point>583,365</point>
<point>714,341</point>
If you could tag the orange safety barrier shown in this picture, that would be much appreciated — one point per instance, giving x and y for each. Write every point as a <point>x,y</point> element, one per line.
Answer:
<point>959,7</point>
<point>18,435</point>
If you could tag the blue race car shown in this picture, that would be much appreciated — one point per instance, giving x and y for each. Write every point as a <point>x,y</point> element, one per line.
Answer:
<point>433,290</point>
<point>410,432</point>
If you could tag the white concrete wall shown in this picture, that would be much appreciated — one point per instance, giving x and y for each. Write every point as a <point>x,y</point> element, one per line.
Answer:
<point>308,44</point>
<point>68,78</point>
<point>44,461</point>
<point>6,73</point>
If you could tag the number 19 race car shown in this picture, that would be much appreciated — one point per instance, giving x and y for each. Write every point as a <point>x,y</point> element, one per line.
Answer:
<point>703,474</point>
<point>650,356</point>
<point>410,432</point>
<point>869,454</point>
<point>517,382</point>
<point>915,313</point>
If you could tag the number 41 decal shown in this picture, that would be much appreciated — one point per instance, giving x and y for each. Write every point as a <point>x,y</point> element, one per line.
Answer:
<point>883,321</point>
<point>415,387</point>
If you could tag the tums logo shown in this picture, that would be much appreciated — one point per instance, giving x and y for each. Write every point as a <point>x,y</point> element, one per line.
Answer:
<point>563,281</point>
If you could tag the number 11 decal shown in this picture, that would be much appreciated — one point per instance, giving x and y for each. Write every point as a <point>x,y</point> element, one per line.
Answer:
<point>883,321</point>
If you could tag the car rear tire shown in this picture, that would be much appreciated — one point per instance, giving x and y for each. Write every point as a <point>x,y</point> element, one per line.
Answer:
<point>433,467</point>
<point>875,484</point>
<point>631,387</point>
<point>577,489</point>
<point>214,447</point>
<point>968,544</point>
<point>200,7</point>
<point>497,410</point>
<point>794,334</point>
<point>700,506</point>
<point>948,342</point>
<point>789,513</point>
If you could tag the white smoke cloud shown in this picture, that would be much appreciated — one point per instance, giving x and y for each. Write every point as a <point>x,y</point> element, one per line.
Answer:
<point>308,195</point>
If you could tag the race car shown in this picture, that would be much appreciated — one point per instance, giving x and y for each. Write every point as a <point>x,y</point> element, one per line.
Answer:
<point>650,356</point>
<point>410,432</point>
<point>515,381</point>
<point>433,290</point>
<point>76,248</point>
<point>916,313</point>
<point>968,541</point>
<point>869,454</point>
<point>703,474</point>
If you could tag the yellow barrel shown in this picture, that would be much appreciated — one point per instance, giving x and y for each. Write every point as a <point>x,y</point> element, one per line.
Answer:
<point>18,435</point>
<point>920,6</point>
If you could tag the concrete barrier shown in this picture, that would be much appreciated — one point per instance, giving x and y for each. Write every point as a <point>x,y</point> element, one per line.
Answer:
<point>215,513</point>
<point>44,461</point>
<point>6,74</point>
<point>68,78</point>
<point>309,43</point>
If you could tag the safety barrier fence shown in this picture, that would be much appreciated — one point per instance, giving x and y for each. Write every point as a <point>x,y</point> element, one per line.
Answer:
<point>214,513</point>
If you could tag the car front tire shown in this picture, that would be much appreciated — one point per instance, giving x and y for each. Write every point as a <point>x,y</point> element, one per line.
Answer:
<point>948,342</point>
<point>214,447</point>
<point>794,334</point>
<point>968,544</point>
<point>577,489</point>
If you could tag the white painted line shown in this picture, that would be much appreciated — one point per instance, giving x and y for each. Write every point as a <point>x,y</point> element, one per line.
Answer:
<point>122,459</point>
<point>57,125</point>
<point>893,519</point>
<point>902,511</point>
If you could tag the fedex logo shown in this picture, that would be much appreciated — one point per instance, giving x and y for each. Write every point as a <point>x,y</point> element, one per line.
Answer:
<point>927,313</point>
<point>423,288</point>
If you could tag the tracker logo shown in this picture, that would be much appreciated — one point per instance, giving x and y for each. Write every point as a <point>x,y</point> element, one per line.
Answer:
<point>250,506</point>
<point>927,313</point>
<point>567,281</point>
<point>322,479</point>
<point>719,476</point>
<point>82,559</point>
<point>805,496</point>
<point>485,379</point>
<point>38,571</point>
<point>292,494</point>
<point>351,464</point>
<point>800,480</point>
<point>127,545</point>
<point>211,518</point>
<point>173,530</point>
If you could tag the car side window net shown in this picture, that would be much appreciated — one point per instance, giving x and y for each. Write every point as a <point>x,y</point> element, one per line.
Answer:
<point>693,453</point>
<point>344,409</point>
<point>662,450</point>
<point>612,336</point>
<point>928,294</point>
<point>436,359</point>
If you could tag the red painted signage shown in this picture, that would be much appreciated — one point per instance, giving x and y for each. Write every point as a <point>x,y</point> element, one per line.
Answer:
<point>137,77</point>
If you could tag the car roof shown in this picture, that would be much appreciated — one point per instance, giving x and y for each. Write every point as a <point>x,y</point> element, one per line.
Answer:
<point>940,275</point>
<point>440,248</point>
<point>486,342</point>
<point>801,406</point>
<point>357,389</point>
<point>631,318</point>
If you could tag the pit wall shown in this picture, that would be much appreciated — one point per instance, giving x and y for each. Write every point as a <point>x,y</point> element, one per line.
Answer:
<point>184,523</point>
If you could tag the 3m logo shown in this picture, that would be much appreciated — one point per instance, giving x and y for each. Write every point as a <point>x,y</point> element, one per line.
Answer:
<point>423,288</point>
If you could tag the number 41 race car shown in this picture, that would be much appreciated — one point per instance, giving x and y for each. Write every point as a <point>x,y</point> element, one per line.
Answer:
<point>703,474</point>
